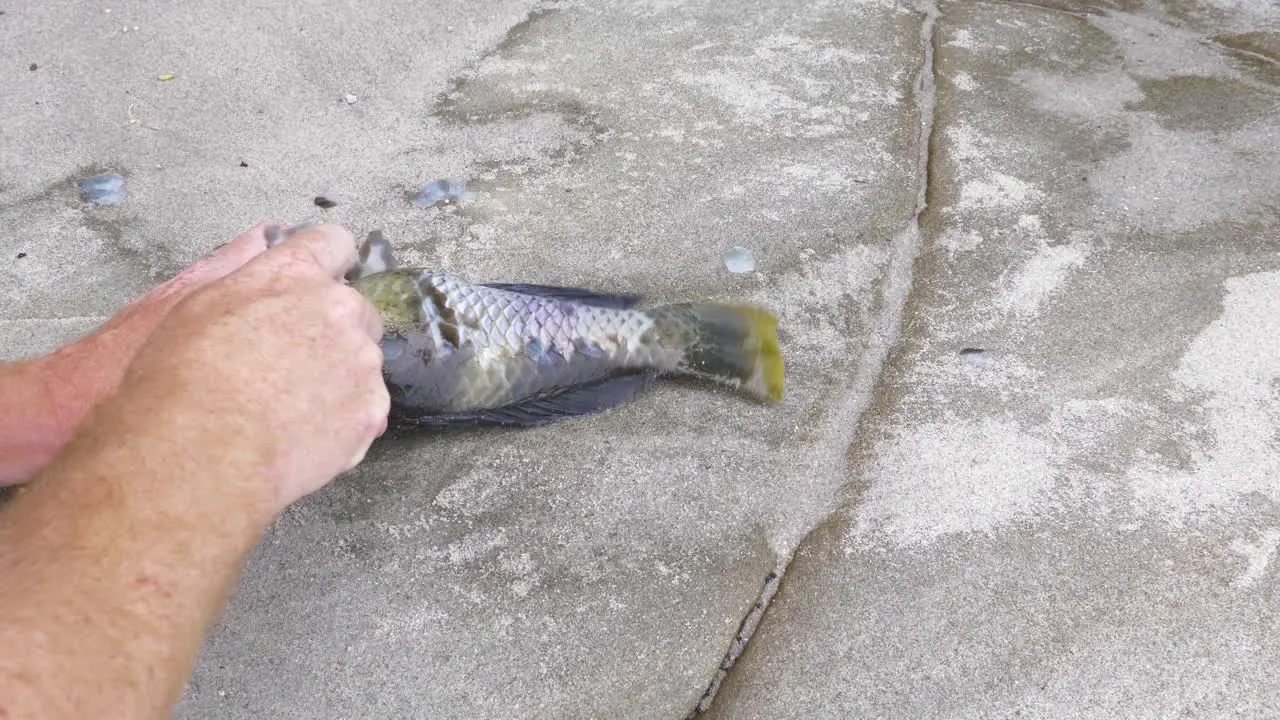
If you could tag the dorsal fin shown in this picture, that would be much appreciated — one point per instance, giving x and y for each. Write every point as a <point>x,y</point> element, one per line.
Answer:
<point>586,297</point>
<point>376,256</point>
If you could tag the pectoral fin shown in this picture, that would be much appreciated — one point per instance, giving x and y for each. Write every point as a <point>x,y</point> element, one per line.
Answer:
<point>587,399</point>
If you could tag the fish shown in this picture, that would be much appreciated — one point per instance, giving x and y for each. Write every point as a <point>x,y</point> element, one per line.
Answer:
<point>461,353</point>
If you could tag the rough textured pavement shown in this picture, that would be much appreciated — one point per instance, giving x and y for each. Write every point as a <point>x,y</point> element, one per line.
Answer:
<point>1076,521</point>
<point>1080,522</point>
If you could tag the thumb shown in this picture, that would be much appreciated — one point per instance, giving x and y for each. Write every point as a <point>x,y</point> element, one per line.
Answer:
<point>231,256</point>
<point>330,247</point>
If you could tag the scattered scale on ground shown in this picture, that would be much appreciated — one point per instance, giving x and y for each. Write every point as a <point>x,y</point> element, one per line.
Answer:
<point>109,190</point>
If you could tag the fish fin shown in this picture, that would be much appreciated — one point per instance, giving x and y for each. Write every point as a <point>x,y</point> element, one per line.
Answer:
<point>588,399</point>
<point>733,344</point>
<point>443,421</point>
<point>587,297</point>
<point>376,255</point>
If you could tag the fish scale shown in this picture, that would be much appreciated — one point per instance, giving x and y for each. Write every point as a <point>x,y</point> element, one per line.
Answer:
<point>509,321</point>
<point>457,352</point>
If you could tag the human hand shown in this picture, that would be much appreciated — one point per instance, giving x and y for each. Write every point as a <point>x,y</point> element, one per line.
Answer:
<point>277,363</point>
<point>84,372</point>
<point>252,391</point>
<point>44,400</point>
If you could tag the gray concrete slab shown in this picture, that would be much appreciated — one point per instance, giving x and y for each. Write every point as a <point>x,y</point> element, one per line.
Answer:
<point>263,86</point>
<point>1081,520</point>
<point>599,568</point>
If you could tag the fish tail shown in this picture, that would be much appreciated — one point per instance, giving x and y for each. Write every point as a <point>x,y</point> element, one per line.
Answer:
<point>732,344</point>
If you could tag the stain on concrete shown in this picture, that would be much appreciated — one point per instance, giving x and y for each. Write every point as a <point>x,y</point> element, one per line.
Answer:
<point>85,256</point>
<point>1197,103</point>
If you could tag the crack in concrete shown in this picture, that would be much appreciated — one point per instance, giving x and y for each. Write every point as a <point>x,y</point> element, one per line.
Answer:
<point>899,277</point>
<point>745,630</point>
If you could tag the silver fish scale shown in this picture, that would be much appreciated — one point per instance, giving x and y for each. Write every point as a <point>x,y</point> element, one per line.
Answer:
<point>511,345</point>
<point>495,322</point>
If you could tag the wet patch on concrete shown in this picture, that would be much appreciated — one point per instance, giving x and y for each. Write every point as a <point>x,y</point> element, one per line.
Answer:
<point>79,258</point>
<point>1203,104</point>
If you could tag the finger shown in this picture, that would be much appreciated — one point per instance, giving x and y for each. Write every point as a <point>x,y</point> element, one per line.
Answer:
<point>370,320</point>
<point>233,255</point>
<point>361,452</point>
<point>276,234</point>
<point>349,305</point>
<point>332,248</point>
<point>381,400</point>
<point>224,260</point>
<point>382,403</point>
<point>359,457</point>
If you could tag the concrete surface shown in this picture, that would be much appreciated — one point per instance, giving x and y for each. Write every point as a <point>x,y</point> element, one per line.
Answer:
<point>597,568</point>
<point>1083,524</point>
<point>1078,521</point>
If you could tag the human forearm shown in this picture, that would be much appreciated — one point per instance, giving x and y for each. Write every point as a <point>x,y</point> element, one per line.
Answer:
<point>119,557</point>
<point>255,391</point>
<point>44,399</point>
<point>32,428</point>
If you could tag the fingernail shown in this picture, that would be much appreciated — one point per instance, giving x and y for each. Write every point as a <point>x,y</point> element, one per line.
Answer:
<point>294,229</point>
<point>359,458</point>
<point>276,234</point>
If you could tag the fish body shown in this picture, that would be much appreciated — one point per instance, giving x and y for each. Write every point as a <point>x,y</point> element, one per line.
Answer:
<point>457,352</point>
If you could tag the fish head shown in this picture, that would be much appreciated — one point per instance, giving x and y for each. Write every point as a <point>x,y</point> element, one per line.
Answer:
<point>396,296</point>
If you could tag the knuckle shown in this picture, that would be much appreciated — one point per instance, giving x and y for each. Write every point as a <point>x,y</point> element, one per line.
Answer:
<point>376,326</point>
<point>302,253</point>
<point>299,261</point>
<point>203,301</point>
<point>372,422</point>
<point>340,305</point>
<point>370,356</point>
<point>347,297</point>
<point>286,259</point>
<point>378,416</point>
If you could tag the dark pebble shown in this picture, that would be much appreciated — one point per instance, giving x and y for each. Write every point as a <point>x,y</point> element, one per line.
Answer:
<point>21,255</point>
<point>33,67</point>
<point>324,202</point>
<point>244,164</point>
